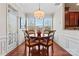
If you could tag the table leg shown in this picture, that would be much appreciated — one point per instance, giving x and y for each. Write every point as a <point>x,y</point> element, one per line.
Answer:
<point>39,49</point>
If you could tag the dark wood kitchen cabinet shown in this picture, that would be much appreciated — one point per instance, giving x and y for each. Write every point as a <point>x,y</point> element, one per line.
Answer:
<point>71,19</point>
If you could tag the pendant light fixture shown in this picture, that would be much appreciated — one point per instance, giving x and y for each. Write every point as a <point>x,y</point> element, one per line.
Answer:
<point>39,14</point>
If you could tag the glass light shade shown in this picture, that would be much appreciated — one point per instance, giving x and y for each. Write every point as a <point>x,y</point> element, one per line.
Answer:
<point>39,14</point>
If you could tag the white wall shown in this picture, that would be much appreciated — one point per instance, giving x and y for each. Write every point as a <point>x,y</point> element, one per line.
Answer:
<point>3,27</point>
<point>68,39</point>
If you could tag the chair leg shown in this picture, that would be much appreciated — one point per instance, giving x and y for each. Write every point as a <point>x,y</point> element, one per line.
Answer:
<point>25,51</point>
<point>47,51</point>
<point>29,51</point>
<point>43,50</point>
<point>52,50</point>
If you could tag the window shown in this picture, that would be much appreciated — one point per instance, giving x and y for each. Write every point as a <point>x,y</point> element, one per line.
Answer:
<point>48,22</point>
<point>22,23</point>
<point>39,23</point>
<point>30,21</point>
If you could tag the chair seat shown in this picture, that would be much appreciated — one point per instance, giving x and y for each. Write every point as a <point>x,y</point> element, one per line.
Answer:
<point>32,43</point>
<point>45,43</point>
<point>36,42</point>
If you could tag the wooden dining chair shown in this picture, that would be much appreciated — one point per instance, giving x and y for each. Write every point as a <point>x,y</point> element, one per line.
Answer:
<point>29,42</point>
<point>31,33</point>
<point>48,41</point>
<point>46,31</point>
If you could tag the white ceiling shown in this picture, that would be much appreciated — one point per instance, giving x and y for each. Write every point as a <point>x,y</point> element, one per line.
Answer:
<point>48,8</point>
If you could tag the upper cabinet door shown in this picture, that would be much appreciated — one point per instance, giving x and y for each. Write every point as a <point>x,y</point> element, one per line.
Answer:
<point>72,19</point>
<point>66,19</point>
<point>76,18</point>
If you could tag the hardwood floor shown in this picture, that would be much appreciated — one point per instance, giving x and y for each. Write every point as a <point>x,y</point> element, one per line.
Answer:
<point>58,51</point>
